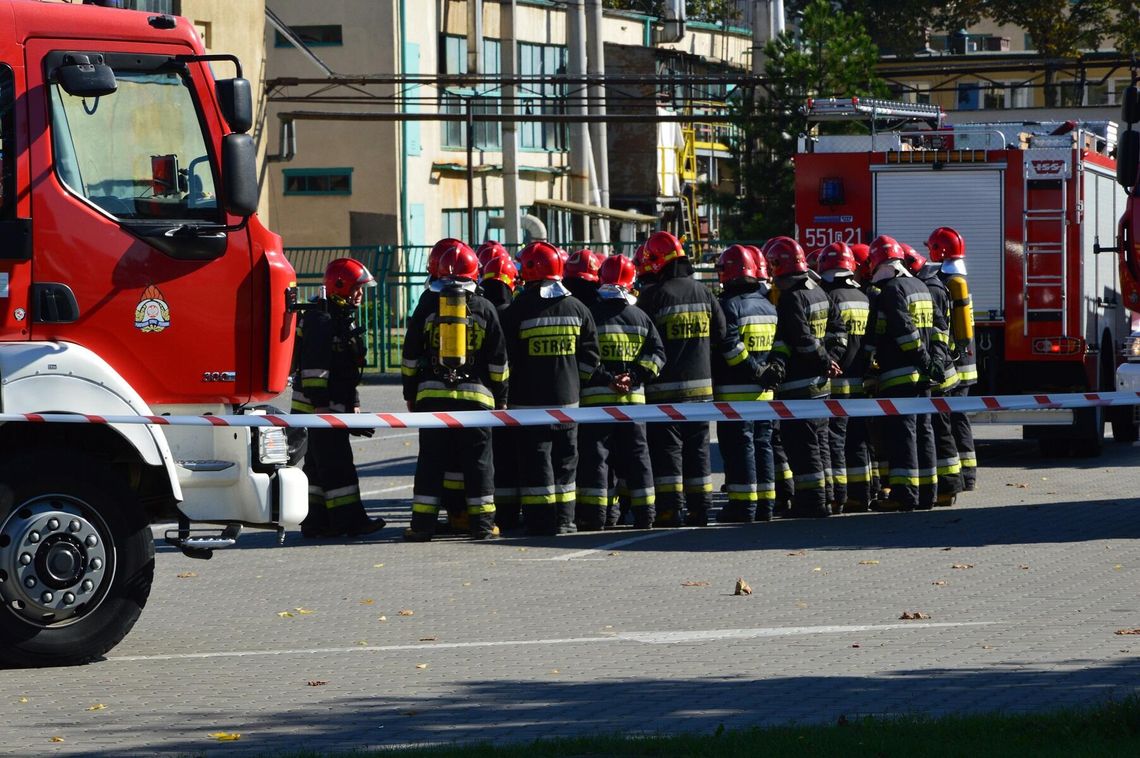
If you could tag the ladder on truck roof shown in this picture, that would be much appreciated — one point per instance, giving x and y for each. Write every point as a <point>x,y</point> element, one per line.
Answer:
<point>1043,251</point>
<point>871,109</point>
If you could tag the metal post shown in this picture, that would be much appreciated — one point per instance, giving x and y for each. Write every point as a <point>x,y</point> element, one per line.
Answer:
<point>579,129</point>
<point>507,11</point>
<point>596,67</point>
<point>470,173</point>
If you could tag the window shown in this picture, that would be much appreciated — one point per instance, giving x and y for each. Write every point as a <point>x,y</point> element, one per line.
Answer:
<point>453,60</point>
<point>1020,95</point>
<point>1070,93</point>
<point>543,61</point>
<point>172,7</point>
<point>455,224</point>
<point>993,97</point>
<point>969,96</point>
<point>1101,93</point>
<point>313,36</point>
<point>318,181</point>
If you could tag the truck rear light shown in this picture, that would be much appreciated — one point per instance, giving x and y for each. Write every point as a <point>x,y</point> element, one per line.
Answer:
<point>1132,348</point>
<point>1059,346</point>
<point>272,446</point>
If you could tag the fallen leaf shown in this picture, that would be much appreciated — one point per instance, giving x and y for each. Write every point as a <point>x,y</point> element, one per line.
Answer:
<point>187,575</point>
<point>962,566</point>
<point>615,553</point>
<point>1127,631</point>
<point>694,584</point>
<point>913,616</point>
<point>1117,567</point>
<point>407,612</point>
<point>1024,567</point>
<point>427,639</point>
<point>421,665</point>
<point>869,563</point>
<point>818,568</point>
<point>1019,485</point>
<point>801,604</point>
<point>522,549</point>
<point>555,671</point>
<point>98,707</point>
<point>362,643</point>
<point>377,565</point>
<point>467,584</point>
<point>225,736</point>
<point>947,549</point>
<point>367,601</point>
<point>316,683</point>
<point>855,645</point>
<point>987,647</point>
<point>742,587</point>
<point>285,614</point>
<point>382,618</point>
<point>939,582</point>
<point>796,554</point>
<point>21,700</point>
<point>304,611</point>
<point>56,739</point>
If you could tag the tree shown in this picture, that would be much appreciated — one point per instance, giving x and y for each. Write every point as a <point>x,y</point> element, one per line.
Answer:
<point>831,55</point>
<point>1121,25</point>
<point>712,11</point>
<point>899,27</point>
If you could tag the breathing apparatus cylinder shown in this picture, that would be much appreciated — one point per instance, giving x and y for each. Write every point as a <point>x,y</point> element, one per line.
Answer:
<point>453,328</point>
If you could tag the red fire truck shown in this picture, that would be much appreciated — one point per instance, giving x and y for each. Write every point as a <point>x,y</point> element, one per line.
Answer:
<point>134,279</point>
<point>1036,203</point>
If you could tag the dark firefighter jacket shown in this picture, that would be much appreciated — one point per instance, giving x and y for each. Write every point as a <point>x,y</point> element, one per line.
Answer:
<point>809,335</point>
<point>940,348</point>
<point>553,348</point>
<point>691,324</point>
<point>750,316</point>
<point>329,358</point>
<point>900,340</point>
<point>628,342</point>
<point>480,384</point>
<point>854,311</point>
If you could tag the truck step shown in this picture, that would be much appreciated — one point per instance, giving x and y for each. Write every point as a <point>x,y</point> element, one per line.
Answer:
<point>201,543</point>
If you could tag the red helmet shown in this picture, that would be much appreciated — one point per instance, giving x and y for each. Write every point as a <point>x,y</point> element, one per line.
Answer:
<point>488,250</point>
<point>761,261</point>
<point>785,257</point>
<point>912,259</point>
<point>458,262</point>
<point>883,249</point>
<point>437,250</point>
<point>945,244</point>
<point>565,256</point>
<point>501,270</point>
<point>540,260</point>
<point>735,262</point>
<point>837,255</point>
<point>861,253</point>
<point>812,259</point>
<point>660,248</point>
<point>639,260</point>
<point>584,264</point>
<point>344,275</point>
<point>618,271</point>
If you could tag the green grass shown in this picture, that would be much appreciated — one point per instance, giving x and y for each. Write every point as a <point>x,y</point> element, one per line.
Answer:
<point>1112,729</point>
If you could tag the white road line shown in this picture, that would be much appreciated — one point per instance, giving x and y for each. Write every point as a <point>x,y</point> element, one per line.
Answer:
<point>652,638</point>
<point>397,488</point>
<point>379,437</point>
<point>609,546</point>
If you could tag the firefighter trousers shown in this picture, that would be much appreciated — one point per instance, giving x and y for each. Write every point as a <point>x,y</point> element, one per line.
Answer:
<point>785,487</point>
<point>682,472</point>
<point>837,446</point>
<point>334,488</point>
<point>859,464</point>
<point>504,443</point>
<point>946,451</point>
<point>964,441</point>
<point>604,449</point>
<point>746,449</point>
<point>441,449</point>
<point>802,444</point>
<point>547,465</point>
<point>908,442</point>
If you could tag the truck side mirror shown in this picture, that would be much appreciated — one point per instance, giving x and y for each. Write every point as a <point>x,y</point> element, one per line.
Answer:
<point>1130,105</point>
<point>85,75</point>
<point>1127,157</point>
<point>239,166</point>
<point>236,101</point>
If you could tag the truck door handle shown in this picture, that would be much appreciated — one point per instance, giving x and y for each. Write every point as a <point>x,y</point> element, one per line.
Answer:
<point>54,303</point>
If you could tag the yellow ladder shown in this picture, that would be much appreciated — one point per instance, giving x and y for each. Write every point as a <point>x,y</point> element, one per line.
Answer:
<point>687,164</point>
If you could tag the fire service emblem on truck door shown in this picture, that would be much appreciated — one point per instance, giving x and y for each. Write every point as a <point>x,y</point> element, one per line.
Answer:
<point>152,314</point>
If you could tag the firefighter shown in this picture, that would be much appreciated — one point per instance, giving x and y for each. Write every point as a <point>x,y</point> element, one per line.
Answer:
<point>900,344</point>
<point>330,360</point>
<point>809,341</point>
<point>691,323</point>
<point>631,355</point>
<point>581,274</point>
<point>461,364</point>
<point>947,247</point>
<point>946,451</point>
<point>553,348</point>
<point>745,446</point>
<point>850,453</point>
<point>488,251</point>
<point>498,286</point>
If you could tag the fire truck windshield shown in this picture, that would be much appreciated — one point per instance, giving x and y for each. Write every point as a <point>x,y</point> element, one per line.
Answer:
<point>138,154</point>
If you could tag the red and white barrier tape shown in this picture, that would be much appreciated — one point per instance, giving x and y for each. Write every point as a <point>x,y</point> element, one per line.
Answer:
<point>776,410</point>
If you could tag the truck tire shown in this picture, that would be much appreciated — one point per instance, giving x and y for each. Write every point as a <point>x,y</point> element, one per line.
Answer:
<point>1088,425</point>
<point>1124,429</point>
<point>76,561</point>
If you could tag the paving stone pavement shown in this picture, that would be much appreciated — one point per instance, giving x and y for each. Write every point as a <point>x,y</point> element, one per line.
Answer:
<point>598,633</point>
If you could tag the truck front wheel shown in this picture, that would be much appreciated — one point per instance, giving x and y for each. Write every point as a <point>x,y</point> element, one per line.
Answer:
<point>76,561</point>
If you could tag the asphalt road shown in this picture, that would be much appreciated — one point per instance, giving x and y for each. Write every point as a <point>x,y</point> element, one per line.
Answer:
<point>354,644</point>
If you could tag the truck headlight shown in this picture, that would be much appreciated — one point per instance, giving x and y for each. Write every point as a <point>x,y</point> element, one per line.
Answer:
<point>272,446</point>
<point>1132,348</point>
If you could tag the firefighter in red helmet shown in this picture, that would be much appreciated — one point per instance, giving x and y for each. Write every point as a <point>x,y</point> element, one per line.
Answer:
<point>948,249</point>
<point>460,361</point>
<point>553,348</point>
<point>691,323</point>
<point>810,339</point>
<point>498,285</point>
<point>330,360</point>
<point>631,355</point>
<point>901,343</point>
<point>580,274</point>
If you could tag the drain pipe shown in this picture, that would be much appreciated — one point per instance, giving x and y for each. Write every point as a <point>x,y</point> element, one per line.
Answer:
<point>286,143</point>
<point>507,12</point>
<point>579,129</point>
<point>596,66</point>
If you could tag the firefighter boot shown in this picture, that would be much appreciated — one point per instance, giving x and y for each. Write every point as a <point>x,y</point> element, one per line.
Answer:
<point>422,527</point>
<point>591,517</point>
<point>482,526</point>
<point>566,523</point>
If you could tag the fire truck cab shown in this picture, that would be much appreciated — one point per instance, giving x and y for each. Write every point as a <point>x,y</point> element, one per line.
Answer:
<point>135,279</point>
<point>1036,203</point>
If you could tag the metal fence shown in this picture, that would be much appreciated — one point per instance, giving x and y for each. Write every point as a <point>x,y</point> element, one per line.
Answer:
<point>401,275</point>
